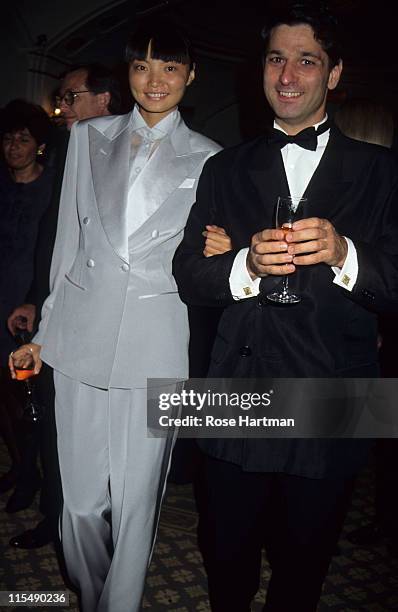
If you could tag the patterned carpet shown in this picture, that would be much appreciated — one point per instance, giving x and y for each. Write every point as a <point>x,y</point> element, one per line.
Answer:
<point>359,579</point>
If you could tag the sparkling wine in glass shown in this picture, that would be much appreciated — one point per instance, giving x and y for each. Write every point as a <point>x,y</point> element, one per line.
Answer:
<point>24,371</point>
<point>288,210</point>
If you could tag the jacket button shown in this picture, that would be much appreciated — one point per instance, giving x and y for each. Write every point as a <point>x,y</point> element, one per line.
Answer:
<point>368,294</point>
<point>125,267</point>
<point>90,263</point>
<point>245,351</point>
<point>155,233</point>
<point>262,300</point>
<point>86,220</point>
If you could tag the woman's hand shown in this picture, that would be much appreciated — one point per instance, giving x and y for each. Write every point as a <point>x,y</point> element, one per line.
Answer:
<point>217,241</point>
<point>24,357</point>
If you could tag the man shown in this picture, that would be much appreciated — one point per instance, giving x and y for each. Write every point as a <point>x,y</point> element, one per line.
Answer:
<point>87,91</point>
<point>113,318</point>
<point>342,260</point>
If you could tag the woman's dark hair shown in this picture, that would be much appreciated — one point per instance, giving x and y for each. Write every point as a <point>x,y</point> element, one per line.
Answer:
<point>20,114</point>
<point>168,43</point>
<point>318,17</point>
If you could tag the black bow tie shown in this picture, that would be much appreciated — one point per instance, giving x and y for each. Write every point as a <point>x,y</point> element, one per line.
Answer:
<point>307,139</point>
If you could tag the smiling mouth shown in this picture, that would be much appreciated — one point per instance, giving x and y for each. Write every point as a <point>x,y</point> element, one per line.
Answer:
<point>290,94</point>
<point>156,96</point>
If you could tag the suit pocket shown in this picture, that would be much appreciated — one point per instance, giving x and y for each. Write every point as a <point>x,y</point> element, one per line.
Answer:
<point>152,295</point>
<point>74,283</point>
<point>189,183</point>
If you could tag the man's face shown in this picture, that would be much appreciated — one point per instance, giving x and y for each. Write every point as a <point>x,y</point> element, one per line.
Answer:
<point>297,77</point>
<point>85,104</point>
<point>158,86</point>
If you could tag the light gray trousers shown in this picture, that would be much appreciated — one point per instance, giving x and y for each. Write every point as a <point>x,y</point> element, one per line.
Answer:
<point>113,479</point>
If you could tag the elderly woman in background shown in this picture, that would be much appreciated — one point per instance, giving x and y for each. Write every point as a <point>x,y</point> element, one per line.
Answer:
<point>25,189</point>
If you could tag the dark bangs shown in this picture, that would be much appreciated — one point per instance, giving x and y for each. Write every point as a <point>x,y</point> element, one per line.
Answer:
<point>20,114</point>
<point>168,43</point>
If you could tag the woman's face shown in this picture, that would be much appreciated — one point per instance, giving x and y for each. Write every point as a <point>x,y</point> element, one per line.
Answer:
<point>158,86</point>
<point>20,149</point>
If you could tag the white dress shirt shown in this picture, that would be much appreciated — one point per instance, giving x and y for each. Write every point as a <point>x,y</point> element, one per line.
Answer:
<point>300,164</point>
<point>144,143</point>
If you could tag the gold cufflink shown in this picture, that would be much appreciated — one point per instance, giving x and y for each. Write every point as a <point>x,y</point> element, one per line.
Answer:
<point>345,280</point>
<point>247,290</point>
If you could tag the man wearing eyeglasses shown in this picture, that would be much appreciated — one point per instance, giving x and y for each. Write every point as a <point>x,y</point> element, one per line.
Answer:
<point>85,92</point>
<point>89,91</point>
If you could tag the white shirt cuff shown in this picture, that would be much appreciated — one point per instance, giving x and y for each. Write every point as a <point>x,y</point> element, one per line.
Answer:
<point>347,276</point>
<point>240,282</point>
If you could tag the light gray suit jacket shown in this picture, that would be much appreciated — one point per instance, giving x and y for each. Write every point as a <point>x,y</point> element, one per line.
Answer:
<point>114,317</point>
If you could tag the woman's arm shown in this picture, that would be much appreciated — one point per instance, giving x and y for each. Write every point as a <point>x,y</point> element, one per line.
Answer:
<point>217,241</point>
<point>68,229</point>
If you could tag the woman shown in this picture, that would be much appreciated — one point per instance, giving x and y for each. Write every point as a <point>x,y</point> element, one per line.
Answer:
<point>114,318</point>
<point>25,188</point>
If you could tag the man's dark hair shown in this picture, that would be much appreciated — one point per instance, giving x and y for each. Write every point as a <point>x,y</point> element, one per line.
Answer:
<point>20,114</point>
<point>99,80</point>
<point>168,43</point>
<point>318,17</point>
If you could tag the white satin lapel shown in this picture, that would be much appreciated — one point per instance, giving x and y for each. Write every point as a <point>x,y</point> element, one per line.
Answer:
<point>162,174</point>
<point>110,160</point>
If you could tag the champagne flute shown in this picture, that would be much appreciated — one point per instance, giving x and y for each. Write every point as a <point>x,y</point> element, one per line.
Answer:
<point>288,210</point>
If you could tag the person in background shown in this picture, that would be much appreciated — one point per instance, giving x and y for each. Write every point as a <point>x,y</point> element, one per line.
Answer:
<point>342,260</point>
<point>25,191</point>
<point>86,91</point>
<point>372,122</point>
<point>114,319</point>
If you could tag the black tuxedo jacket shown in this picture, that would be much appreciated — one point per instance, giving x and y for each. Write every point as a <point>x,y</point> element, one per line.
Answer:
<point>332,332</point>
